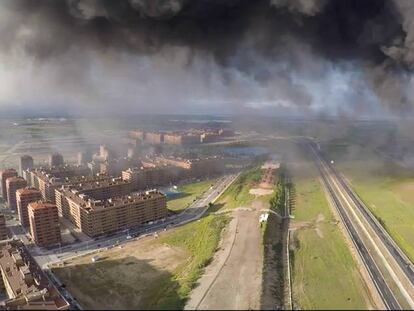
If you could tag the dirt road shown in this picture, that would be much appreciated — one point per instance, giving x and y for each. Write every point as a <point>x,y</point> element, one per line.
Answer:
<point>234,279</point>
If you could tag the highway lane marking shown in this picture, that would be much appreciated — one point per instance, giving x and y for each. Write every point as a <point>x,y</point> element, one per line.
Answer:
<point>360,247</point>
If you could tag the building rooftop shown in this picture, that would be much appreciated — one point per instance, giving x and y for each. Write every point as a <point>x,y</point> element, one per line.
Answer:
<point>188,159</point>
<point>78,180</point>
<point>56,174</point>
<point>97,183</point>
<point>150,168</point>
<point>8,170</point>
<point>57,181</point>
<point>57,169</point>
<point>41,205</point>
<point>27,191</point>
<point>90,204</point>
<point>27,280</point>
<point>14,179</point>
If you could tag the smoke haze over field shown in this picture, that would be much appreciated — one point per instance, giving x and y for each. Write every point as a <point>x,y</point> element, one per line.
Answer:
<point>217,56</point>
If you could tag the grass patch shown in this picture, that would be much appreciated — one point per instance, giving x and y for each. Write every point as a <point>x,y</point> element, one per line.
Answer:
<point>278,200</point>
<point>201,239</point>
<point>238,193</point>
<point>188,193</point>
<point>324,273</point>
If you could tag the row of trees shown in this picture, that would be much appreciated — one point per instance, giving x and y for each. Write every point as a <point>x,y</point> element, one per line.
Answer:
<point>277,201</point>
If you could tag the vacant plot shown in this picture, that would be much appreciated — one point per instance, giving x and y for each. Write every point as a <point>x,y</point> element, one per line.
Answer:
<point>324,273</point>
<point>147,274</point>
<point>188,193</point>
<point>260,191</point>
<point>124,278</point>
<point>200,238</point>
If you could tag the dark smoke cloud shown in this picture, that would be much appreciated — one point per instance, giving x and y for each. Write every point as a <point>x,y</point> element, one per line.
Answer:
<point>306,7</point>
<point>237,55</point>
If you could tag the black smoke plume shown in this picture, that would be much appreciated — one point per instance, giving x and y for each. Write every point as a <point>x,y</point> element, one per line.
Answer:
<point>263,40</point>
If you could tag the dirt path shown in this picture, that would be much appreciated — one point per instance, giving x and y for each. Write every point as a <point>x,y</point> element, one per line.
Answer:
<point>234,278</point>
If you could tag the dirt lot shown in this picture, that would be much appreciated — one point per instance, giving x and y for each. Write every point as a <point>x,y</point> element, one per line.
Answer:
<point>260,191</point>
<point>234,279</point>
<point>137,270</point>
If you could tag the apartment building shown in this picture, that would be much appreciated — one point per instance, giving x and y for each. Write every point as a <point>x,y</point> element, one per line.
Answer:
<point>116,166</point>
<point>167,170</point>
<point>25,284</point>
<point>154,137</point>
<point>209,137</point>
<point>33,180</point>
<point>182,138</point>
<point>7,173</point>
<point>99,188</point>
<point>84,157</point>
<point>44,223</point>
<point>225,132</point>
<point>23,198</point>
<point>56,159</point>
<point>26,163</point>
<point>3,229</point>
<point>46,180</point>
<point>12,185</point>
<point>27,177</point>
<point>175,161</point>
<point>48,187</point>
<point>149,177</point>
<point>98,217</point>
<point>196,167</point>
<point>137,135</point>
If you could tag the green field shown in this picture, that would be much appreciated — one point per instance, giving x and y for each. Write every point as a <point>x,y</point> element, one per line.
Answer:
<point>388,191</point>
<point>148,274</point>
<point>238,193</point>
<point>188,193</point>
<point>324,273</point>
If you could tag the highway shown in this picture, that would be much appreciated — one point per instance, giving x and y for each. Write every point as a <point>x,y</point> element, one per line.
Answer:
<point>405,264</point>
<point>388,268</point>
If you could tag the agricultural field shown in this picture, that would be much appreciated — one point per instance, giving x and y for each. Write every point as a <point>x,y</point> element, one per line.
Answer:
<point>324,273</point>
<point>152,273</point>
<point>187,193</point>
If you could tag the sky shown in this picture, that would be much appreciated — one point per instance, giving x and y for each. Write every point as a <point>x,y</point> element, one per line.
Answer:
<point>266,57</point>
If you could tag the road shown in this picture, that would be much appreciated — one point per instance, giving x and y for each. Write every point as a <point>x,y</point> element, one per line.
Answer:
<point>386,265</point>
<point>223,285</point>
